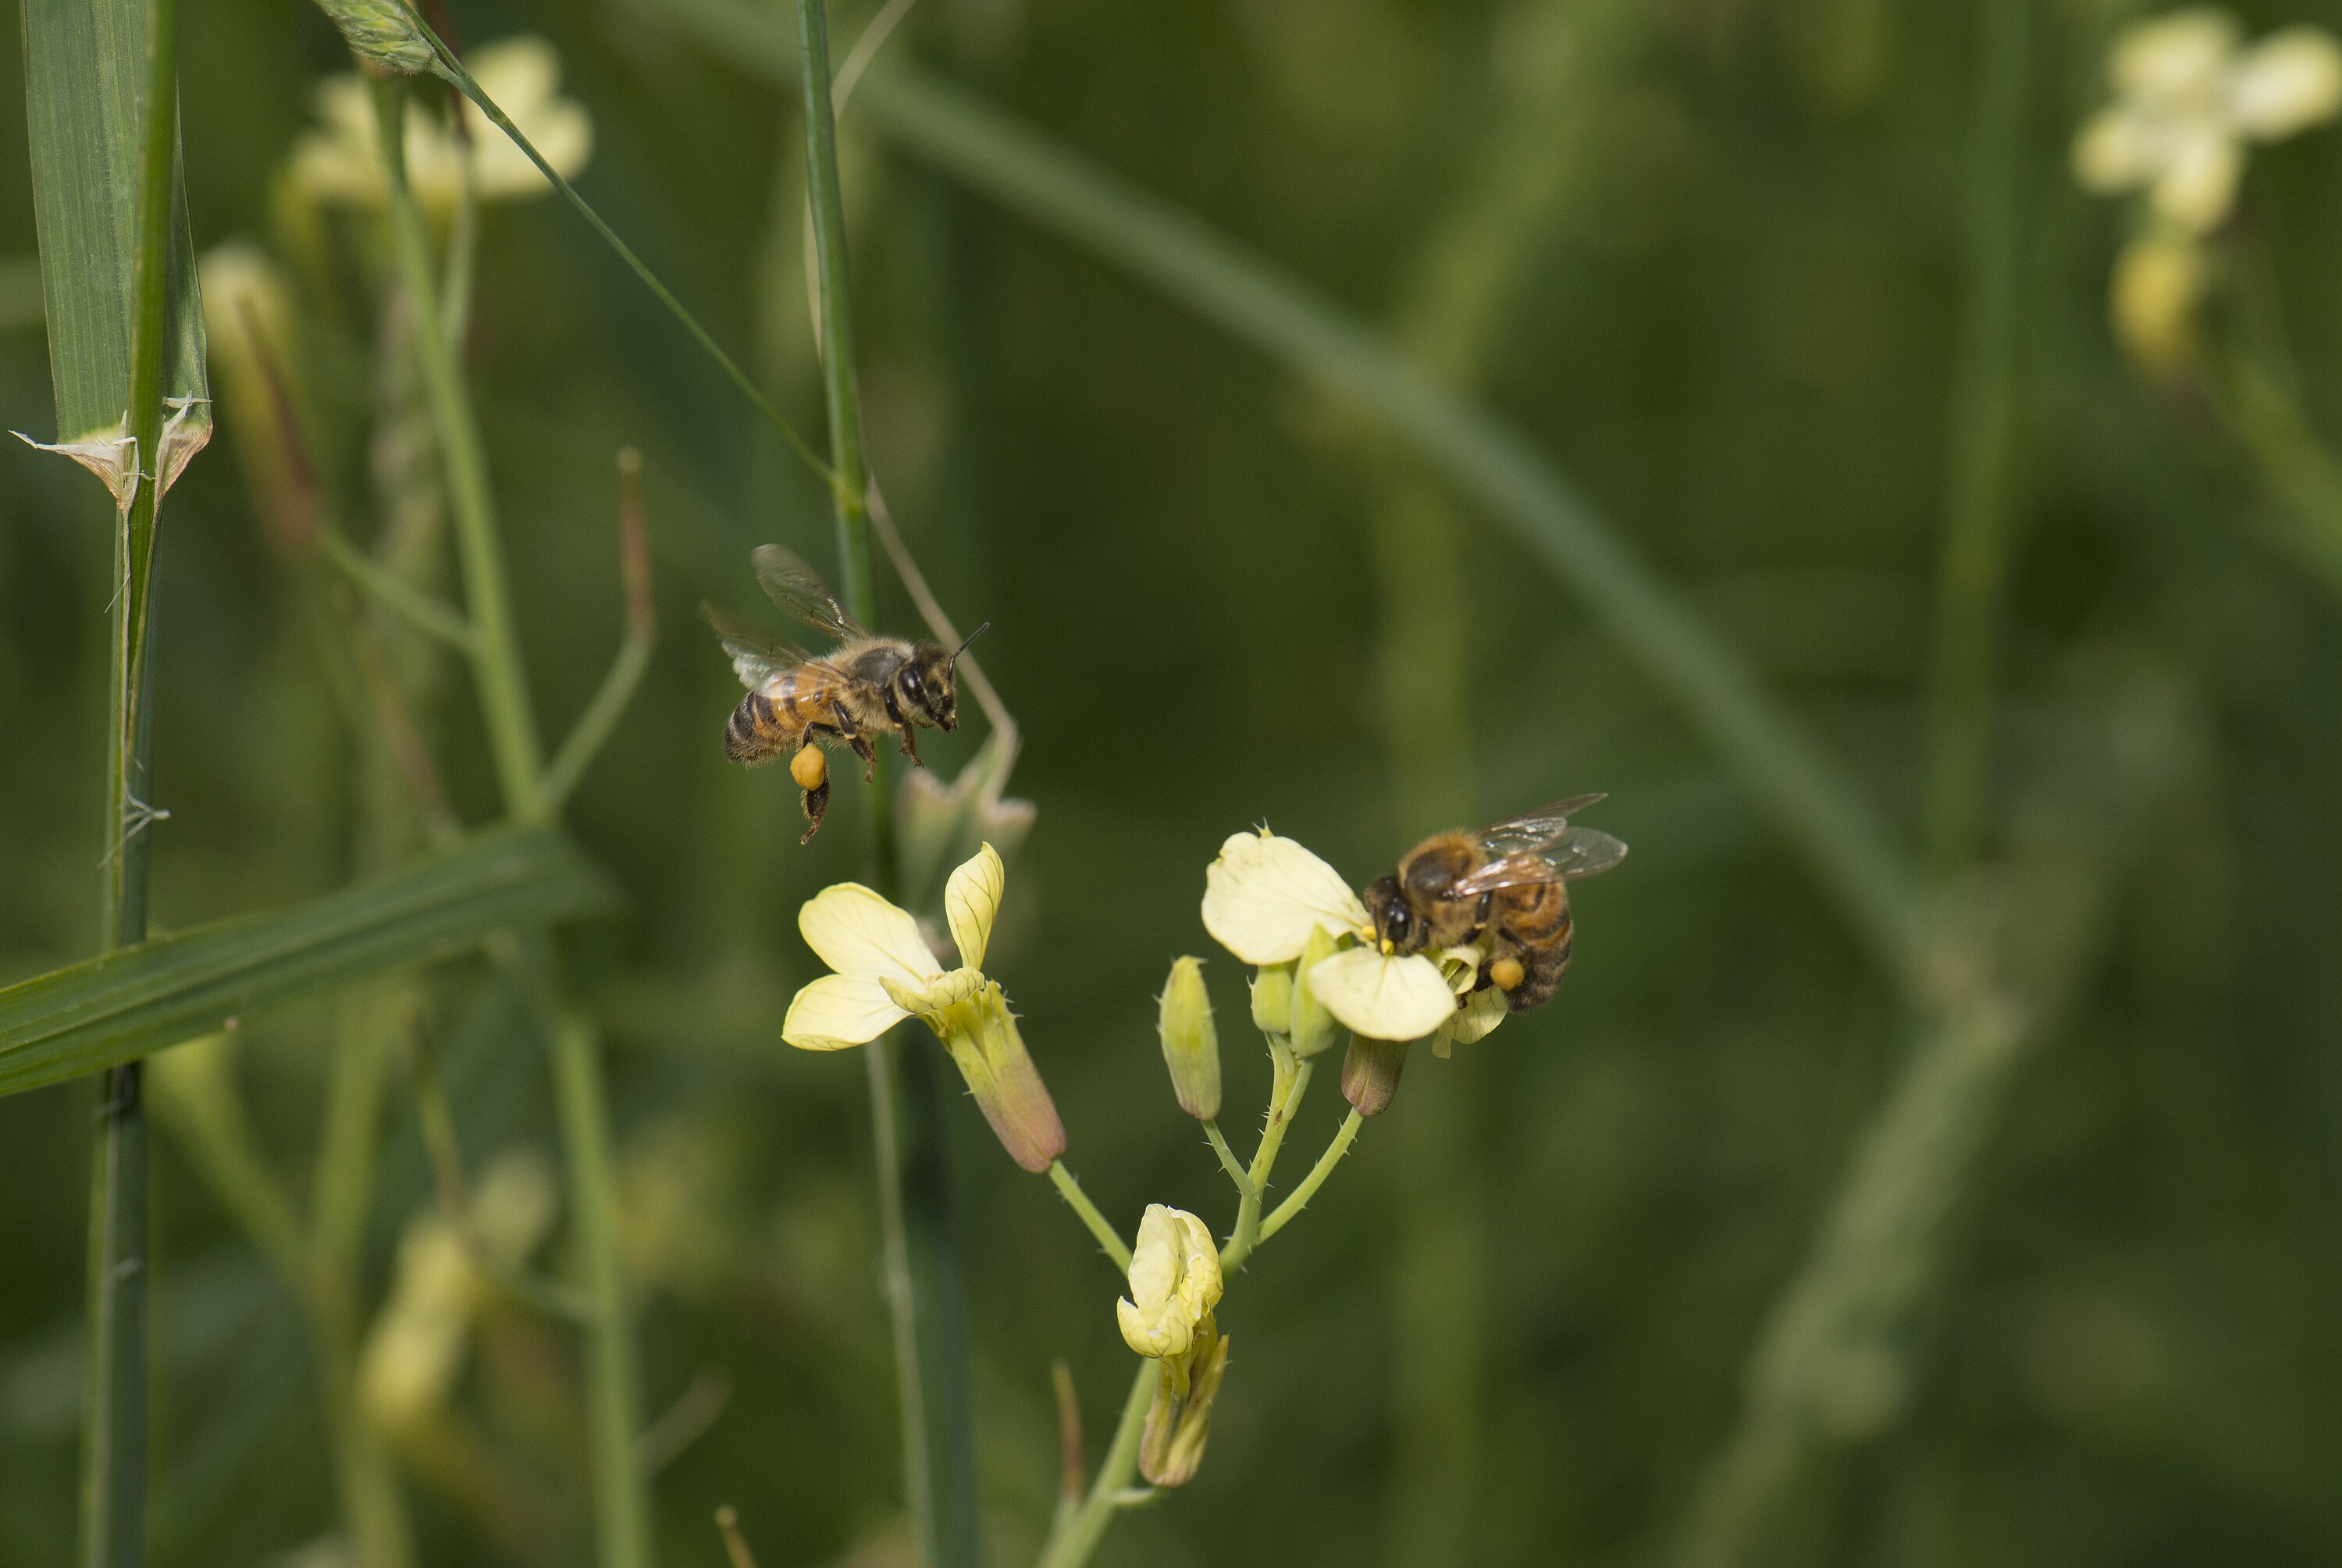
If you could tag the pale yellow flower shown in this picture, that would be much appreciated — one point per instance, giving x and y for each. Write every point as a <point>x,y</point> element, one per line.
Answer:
<point>1175,1283</point>
<point>338,161</point>
<point>2188,96</point>
<point>886,973</point>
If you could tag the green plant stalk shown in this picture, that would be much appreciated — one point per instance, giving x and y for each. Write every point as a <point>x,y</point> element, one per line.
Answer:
<point>497,668</point>
<point>423,610</point>
<point>114,1422</point>
<point>621,1502</point>
<point>1079,1202</point>
<point>934,1379</point>
<point>1072,1547</point>
<point>1290,1083</point>
<point>1974,559</point>
<point>1299,1199</point>
<point>1228,1160</point>
<point>2296,467</point>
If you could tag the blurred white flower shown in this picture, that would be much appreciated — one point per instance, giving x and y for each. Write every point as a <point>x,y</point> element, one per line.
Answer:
<point>2187,96</point>
<point>338,161</point>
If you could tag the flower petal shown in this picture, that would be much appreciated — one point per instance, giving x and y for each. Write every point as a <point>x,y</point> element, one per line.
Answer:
<point>928,1001</point>
<point>838,1010</point>
<point>971,901</point>
<point>2174,58</point>
<point>2287,82</point>
<point>1383,998</point>
<point>1265,895</point>
<point>2197,185</point>
<point>858,933</point>
<point>1478,1018</point>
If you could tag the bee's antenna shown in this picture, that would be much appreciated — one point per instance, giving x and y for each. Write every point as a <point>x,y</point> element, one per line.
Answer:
<point>971,638</point>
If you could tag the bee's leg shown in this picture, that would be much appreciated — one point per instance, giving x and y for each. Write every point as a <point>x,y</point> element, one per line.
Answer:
<point>909,746</point>
<point>858,740</point>
<point>817,803</point>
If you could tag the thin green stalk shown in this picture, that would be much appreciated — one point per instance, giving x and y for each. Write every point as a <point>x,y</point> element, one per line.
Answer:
<point>452,68</point>
<point>1228,1160</point>
<point>1315,1179</point>
<point>1073,1547</point>
<point>1079,1202</point>
<point>1292,1081</point>
<point>424,611</point>
<point>633,656</point>
<point>939,1463</point>
<point>1975,553</point>
<point>621,1502</point>
<point>902,1302</point>
<point>114,1427</point>
<point>2296,466</point>
<point>496,667</point>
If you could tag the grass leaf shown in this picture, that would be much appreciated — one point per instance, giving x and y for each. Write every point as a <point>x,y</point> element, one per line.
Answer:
<point>84,71</point>
<point>126,1003</point>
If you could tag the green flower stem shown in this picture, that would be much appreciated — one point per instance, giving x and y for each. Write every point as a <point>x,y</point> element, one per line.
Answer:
<point>1228,1160</point>
<point>451,68</point>
<point>1973,563</point>
<point>621,1493</point>
<point>902,1299</point>
<point>425,612</point>
<point>1291,1082</point>
<point>113,1391</point>
<point>2295,464</point>
<point>634,656</point>
<point>1316,1178</point>
<point>496,667</point>
<point>1110,1494</point>
<point>1079,1201</point>
<point>938,1445</point>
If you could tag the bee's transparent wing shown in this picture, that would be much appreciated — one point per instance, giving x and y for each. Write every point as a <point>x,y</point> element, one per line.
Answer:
<point>757,656</point>
<point>799,589</point>
<point>1579,852</point>
<point>1534,829</point>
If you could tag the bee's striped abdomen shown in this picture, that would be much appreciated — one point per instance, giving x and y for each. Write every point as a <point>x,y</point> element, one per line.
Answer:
<point>758,730</point>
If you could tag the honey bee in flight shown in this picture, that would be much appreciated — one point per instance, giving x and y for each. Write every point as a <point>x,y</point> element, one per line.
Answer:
<point>1509,882</point>
<point>799,702</point>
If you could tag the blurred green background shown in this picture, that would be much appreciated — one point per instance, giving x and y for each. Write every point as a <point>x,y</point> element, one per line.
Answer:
<point>1717,259</point>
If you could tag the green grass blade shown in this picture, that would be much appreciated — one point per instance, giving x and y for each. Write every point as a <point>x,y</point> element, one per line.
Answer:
<point>85,64</point>
<point>959,134</point>
<point>122,1006</point>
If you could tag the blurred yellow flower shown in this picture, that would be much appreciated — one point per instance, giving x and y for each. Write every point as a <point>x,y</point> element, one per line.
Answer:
<point>2187,96</point>
<point>338,161</point>
<point>2158,279</point>
<point>1175,1283</point>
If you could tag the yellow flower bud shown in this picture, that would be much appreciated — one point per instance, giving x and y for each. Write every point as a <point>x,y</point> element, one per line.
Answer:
<point>1191,1044</point>
<point>2158,279</point>
<point>1272,999</point>
<point>1175,1283</point>
<point>1314,1028</point>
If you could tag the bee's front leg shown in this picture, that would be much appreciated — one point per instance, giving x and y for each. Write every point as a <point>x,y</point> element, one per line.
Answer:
<point>905,741</point>
<point>911,746</point>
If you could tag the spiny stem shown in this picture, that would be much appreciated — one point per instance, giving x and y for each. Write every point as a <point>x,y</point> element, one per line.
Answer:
<point>1316,1178</point>
<point>1284,1098</point>
<point>1079,1201</point>
<point>113,1424</point>
<point>1228,1160</point>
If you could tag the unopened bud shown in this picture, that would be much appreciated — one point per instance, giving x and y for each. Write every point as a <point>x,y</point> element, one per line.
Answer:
<point>1191,1044</point>
<point>1370,1071</point>
<point>1179,1421</point>
<point>381,33</point>
<point>1272,999</point>
<point>1314,1028</point>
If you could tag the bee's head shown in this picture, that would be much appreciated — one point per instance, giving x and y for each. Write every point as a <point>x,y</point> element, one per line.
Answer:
<point>1397,924</point>
<point>927,685</point>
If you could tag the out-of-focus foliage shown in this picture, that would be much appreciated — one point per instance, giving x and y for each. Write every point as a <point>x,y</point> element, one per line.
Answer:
<point>1736,329</point>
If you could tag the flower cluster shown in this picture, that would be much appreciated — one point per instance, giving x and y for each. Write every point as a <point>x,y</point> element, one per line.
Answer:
<point>2188,98</point>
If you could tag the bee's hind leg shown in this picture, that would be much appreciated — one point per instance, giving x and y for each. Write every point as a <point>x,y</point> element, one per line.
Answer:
<point>817,805</point>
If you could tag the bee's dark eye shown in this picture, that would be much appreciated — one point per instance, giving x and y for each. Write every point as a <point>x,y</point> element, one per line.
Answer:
<point>911,685</point>
<point>1396,921</point>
